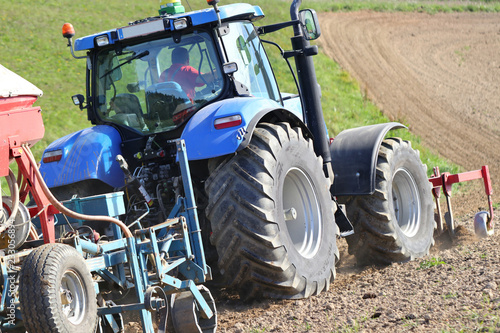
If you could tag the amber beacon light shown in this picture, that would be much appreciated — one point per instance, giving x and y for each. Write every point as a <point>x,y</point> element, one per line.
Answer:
<point>68,31</point>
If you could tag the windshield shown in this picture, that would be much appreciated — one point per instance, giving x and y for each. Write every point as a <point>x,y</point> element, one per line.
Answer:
<point>156,86</point>
<point>243,46</point>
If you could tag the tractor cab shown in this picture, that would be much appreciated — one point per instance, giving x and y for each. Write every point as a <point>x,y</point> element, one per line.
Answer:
<point>154,74</point>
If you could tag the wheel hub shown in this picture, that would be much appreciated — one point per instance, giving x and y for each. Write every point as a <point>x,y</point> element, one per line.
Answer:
<point>302,212</point>
<point>73,297</point>
<point>406,201</point>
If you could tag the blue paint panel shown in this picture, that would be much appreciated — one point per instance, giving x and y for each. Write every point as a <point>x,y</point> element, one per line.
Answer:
<point>293,104</point>
<point>87,42</point>
<point>199,17</point>
<point>87,154</point>
<point>109,204</point>
<point>204,141</point>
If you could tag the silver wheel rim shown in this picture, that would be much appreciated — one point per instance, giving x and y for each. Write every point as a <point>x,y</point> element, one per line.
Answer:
<point>406,200</point>
<point>21,221</point>
<point>304,225</point>
<point>73,297</point>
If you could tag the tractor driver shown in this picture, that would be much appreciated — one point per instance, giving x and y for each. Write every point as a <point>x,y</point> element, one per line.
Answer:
<point>184,74</point>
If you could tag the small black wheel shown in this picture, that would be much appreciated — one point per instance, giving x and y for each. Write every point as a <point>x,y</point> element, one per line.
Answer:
<point>56,291</point>
<point>396,223</point>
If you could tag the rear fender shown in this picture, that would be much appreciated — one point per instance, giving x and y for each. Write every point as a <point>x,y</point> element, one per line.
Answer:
<point>87,154</point>
<point>354,158</point>
<point>203,141</point>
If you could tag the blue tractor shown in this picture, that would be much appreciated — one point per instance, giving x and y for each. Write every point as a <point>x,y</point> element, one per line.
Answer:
<point>270,185</point>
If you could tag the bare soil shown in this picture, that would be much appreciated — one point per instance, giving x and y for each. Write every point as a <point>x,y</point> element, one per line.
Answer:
<point>455,289</point>
<point>440,74</point>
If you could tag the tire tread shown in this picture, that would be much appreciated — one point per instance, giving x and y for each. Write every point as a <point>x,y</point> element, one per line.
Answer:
<point>251,255</point>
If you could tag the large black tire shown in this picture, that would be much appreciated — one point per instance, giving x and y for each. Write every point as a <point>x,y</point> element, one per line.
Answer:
<point>56,291</point>
<point>396,223</point>
<point>260,253</point>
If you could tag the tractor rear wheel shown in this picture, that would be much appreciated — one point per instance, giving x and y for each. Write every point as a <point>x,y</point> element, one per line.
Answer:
<point>56,291</point>
<point>272,217</point>
<point>396,223</point>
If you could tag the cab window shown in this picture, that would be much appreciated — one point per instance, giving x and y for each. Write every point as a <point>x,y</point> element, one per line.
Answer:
<point>243,46</point>
<point>156,86</point>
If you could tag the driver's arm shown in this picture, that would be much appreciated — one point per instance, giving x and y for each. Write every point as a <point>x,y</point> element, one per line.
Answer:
<point>207,77</point>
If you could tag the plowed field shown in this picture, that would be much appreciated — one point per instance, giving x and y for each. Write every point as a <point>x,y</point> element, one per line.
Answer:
<point>440,74</point>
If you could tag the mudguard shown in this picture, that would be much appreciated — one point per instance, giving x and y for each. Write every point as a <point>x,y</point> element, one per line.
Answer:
<point>354,158</point>
<point>87,154</point>
<point>204,141</point>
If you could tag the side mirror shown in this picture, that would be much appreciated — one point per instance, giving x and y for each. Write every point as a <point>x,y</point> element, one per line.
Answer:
<point>79,100</point>
<point>310,24</point>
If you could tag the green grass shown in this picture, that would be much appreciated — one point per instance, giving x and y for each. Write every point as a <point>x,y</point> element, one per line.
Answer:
<point>31,45</point>
<point>428,263</point>
<point>450,296</point>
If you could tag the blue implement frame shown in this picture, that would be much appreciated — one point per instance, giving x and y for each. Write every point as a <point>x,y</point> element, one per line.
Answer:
<point>154,257</point>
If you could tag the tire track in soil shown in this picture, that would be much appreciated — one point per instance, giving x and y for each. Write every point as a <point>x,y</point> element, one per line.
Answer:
<point>438,73</point>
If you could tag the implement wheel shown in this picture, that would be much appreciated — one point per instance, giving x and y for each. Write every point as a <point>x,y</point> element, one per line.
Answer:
<point>187,316</point>
<point>273,218</point>
<point>396,223</point>
<point>56,291</point>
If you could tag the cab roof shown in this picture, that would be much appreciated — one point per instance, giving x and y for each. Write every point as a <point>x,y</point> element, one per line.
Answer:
<point>232,12</point>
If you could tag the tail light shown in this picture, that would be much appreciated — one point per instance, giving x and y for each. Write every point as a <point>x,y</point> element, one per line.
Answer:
<point>227,122</point>
<point>52,156</point>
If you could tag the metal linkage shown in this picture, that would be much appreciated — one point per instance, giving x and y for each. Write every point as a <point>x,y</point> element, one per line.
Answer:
<point>154,256</point>
<point>446,180</point>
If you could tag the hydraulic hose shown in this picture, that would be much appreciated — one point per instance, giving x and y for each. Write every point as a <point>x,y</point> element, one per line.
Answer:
<point>60,207</point>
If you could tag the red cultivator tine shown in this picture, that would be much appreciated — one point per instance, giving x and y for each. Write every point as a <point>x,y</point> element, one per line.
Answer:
<point>446,180</point>
<point>437,194</point>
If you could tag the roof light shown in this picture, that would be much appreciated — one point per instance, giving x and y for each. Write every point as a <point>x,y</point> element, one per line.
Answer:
<point>227,122</point>
<point>68,31</point>
<point>52,156</point>
<point>102,40</point>
<point>78,99</point>
<point>230,67</point>
<point>180,24</point>
<point>171,7</point>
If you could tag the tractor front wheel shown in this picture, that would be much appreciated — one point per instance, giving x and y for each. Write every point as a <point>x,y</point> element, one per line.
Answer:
<point>272,217</point>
